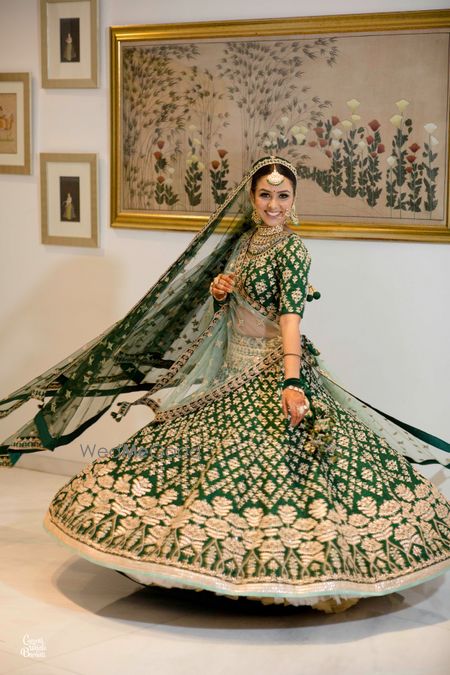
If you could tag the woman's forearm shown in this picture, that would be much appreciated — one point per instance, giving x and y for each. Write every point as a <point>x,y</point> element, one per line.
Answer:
<point>290,334</point>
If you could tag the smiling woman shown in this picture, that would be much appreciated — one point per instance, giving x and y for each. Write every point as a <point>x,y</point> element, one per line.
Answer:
<point>260,475</point>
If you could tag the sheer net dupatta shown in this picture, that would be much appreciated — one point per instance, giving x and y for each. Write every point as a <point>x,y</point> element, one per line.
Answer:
<point>137,352</point>
<point>237,345</point>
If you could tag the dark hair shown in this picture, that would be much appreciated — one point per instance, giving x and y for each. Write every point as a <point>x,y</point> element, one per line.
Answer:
<point>268,168</point>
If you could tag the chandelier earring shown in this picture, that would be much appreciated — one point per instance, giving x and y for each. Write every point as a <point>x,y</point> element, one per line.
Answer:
<point>291,217</point>
<point>256,218</point>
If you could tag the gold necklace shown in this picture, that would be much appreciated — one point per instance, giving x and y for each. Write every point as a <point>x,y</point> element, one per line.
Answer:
<point>264,238</point>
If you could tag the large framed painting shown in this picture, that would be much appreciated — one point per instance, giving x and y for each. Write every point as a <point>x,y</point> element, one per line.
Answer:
<point>15,154</point>
<point>359,103</point>
<point>69,43</point>
<point>69,199</point>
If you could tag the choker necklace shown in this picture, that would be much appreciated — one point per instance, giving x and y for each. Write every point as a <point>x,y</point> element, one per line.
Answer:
<point>265,237</point>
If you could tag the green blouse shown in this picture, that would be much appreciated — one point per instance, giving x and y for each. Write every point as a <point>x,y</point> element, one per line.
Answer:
<point>277,279</point>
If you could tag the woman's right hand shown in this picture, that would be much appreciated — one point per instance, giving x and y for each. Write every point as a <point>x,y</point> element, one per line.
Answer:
<point>221,285</point>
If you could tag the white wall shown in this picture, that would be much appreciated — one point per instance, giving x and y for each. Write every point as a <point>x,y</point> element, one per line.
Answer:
<point>382,323</point>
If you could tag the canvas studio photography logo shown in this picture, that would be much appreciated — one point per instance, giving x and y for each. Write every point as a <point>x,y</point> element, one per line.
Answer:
<point>33,648</point>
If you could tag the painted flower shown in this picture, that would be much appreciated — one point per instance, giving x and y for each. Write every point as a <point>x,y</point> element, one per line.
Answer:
<point>319,131</point>
<point>296,130</point>
<point>336,133</point>
<point>391,161</point>
<point>434,141</point>
<point>160,144</point>
<point>411,158</point>
<point>157,154</point>
<point>303,129</point>
<point>402,105</point>
<point>160,179</point>
<point>335,144</point>
<point>396,120</point>
<point>323,142</point>
<point>374,125</point>
<point>215,164</point>
<point>355,118</point>
<point>347,124</point>
<point>222,152</point>
<point>430,128</point>
<point>335,120</point>
<point>353,104</point>
<point>370,139</point>
<point>380,148</point>
<point>170,169</point>
<point>300,138</point>
<point>414,147</point>
<point>312,143</point>
<point>328,153</point>
<point>362,146</point>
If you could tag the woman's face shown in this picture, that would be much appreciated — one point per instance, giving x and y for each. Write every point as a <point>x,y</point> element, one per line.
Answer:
<point>272,202</point>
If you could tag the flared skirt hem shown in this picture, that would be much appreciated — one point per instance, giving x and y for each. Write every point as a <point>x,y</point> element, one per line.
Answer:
<point>276,592</point>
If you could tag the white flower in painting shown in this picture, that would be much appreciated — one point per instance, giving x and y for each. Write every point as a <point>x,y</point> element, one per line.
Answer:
<point>272,134</point>
<point>300,138</point>
<point>267,143</point>
<point>355,118</point>
<point>430,128</point>
<point>194,158</point>
<point>347,124</point>
<point>336,133</point>
<point>170,169</point>
<point>402,105</point>
<point>391,161</point>
<point>303,129</point>
<point>201,166</point>
<point>284,120</point>
<point>335,144</point>
<point>362,146</point>
<point>295,130</point>
<point>353,104</point>
<point>433,140</point>
<point>396,120</point>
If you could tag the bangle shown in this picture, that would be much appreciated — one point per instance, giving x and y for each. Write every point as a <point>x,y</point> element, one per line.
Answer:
<point>292,354</point>
<point>293,383</point>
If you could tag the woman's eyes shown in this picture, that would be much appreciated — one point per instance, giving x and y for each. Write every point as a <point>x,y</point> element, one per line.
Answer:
<point>281,195</point>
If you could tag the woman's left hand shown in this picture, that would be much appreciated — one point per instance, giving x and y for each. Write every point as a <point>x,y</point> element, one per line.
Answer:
<point>295,405</point>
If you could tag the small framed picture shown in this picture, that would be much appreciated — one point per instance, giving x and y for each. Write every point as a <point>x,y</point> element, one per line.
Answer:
<point>69,199</point>
<point>15,123</point>
<point>69,43</point>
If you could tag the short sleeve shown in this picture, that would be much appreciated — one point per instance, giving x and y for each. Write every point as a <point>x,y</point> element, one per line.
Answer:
<point>293,269</point>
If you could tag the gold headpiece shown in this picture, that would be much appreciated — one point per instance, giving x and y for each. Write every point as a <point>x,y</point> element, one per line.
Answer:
<point>275,178</point>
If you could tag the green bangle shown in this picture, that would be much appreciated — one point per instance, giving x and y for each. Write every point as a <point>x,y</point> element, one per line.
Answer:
<point>293,382</point>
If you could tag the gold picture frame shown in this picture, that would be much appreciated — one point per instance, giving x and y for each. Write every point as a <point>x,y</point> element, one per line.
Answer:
<point>69,199</point>
<point>146,142</point>
<point>65,25</point>
<point>15,132</point>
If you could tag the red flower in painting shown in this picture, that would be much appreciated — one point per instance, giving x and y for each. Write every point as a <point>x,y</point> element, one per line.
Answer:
<point>380,148</point>
<point>160,144</point>
<point>373,154</point>
<point>215,164</point>
<point>222,153</point>
<point>409,169</point>
<point>319,131</point>
<point>312,143</point>
<point>323,142</point>
<point>411,158</point>
<point>328,153</point>
<point>160,179</point>
<point>370,139</point>
<point>414,147</point>
<point>335,120</point>
<point>374,125</point>
<point>157,154</point>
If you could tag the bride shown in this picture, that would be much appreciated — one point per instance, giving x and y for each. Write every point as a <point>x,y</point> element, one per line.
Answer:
<point>259,475</point>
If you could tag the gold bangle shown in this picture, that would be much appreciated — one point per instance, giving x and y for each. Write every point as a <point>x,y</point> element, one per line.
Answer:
<point>292,354</point>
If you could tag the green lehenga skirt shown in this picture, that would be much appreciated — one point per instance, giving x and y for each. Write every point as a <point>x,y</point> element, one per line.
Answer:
<point>226,497</point>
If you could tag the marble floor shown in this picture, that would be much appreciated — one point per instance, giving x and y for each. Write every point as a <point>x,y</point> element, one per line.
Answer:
<point>75,617</point>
